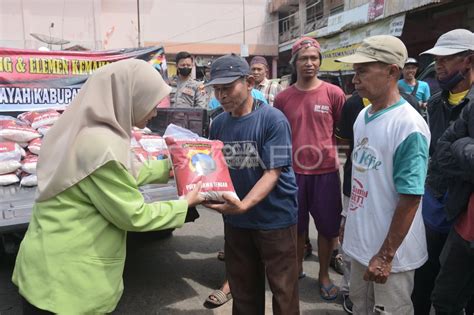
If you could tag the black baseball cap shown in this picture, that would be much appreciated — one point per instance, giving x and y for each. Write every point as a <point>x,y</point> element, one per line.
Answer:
<point>227,69</point>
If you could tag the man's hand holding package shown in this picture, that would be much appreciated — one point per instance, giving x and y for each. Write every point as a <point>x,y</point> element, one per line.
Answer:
<point>230,206</point>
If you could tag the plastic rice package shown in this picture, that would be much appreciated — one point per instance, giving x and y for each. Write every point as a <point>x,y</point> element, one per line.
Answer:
<point>39,119</point>
<point>8,179</point>
<point>10,151</point>
<point>35,146</point>
<point>29,180</point>
<point>11,131</point>
<point>197,159</point>
<point>44,129</point>
<point>28,165</point>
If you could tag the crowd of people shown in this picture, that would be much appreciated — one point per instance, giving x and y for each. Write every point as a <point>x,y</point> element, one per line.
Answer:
<point>403,219</point>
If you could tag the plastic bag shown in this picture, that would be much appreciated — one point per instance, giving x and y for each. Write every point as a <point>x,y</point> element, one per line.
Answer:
<point>197,159</point>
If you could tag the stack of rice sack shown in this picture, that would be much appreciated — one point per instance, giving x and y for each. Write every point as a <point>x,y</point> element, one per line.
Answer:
<point>16,164</point>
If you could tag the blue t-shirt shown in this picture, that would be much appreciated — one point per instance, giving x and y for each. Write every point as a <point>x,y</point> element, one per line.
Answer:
<point>422,93</point>
<point>256,94</point>
<point>254,143</point>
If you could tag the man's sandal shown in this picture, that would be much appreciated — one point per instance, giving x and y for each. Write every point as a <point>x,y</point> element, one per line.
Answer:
<point>325,292</point>
<point>217,298</point>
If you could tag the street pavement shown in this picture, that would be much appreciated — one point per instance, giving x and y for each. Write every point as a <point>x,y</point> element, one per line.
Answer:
<point>175,275</point>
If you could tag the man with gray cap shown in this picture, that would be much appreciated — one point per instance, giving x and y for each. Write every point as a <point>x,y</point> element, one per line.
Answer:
<point>384,232</point>
<point>453,64</point>
<point>260,228</point>
<point>259,69</point>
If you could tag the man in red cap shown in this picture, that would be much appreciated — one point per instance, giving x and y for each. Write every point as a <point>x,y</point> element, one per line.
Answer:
<point>313,108</point>
<point>259,69</point>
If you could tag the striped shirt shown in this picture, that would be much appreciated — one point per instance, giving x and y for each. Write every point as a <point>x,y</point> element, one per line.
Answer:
<point>270,89</point>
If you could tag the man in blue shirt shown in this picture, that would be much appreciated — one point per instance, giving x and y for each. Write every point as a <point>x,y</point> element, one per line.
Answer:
<point>260,228</point>
<point>412,86</point>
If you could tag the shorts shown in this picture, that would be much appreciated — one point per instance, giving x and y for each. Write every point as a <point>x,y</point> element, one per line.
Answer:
<point>320,196</point>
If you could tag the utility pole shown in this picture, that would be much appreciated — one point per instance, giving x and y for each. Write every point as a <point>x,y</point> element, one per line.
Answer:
<point>243,19</point>
<point>244,49</point>
<point>138,27</point>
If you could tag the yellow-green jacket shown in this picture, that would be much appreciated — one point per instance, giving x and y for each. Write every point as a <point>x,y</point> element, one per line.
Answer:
<point>72,257</point>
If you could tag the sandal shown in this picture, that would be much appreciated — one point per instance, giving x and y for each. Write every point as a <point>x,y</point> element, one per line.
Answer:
<point>217,298</point>
<point>325,292</point>
<point>337,263</point>
<point>221,255</point>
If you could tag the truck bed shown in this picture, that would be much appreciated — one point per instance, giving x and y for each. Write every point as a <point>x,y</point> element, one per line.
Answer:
<point>16,203</point>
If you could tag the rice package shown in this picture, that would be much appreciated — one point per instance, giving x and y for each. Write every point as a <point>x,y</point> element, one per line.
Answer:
<point>140,154</point>
<point>28,165</point>
<point>35,146</point>
<point>10,156</point>
<point>8,179</point>
<point>29,180</point>
<point>39,119</point>
<point>155,145</point>
<point>44,129</point>
<point>202,160</point>
<point>11,131</point>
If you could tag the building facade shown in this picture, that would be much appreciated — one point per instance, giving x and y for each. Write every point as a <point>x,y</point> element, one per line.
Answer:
<point>205,28</point>
<point>341,25</point>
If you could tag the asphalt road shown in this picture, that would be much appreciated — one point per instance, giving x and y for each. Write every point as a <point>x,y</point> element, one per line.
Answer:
<point>176,274</point>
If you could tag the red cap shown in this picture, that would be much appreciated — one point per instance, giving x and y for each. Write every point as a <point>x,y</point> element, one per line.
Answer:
<point>304,42</point>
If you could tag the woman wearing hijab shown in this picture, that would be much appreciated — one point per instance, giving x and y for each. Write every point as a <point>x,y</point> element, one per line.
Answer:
<point>72,257</point>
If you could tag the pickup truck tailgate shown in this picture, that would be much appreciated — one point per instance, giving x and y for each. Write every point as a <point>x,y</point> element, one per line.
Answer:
<point>16,203</point>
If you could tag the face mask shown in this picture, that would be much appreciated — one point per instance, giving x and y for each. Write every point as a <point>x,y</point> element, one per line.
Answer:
<point>449,83</point>
<point>184,71</point>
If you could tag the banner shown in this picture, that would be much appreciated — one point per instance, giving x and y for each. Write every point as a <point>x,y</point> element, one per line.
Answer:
<point>35,80</point>
<point>329,63</point>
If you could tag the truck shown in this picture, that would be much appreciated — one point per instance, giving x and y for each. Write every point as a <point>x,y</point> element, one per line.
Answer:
<point>16,202</point>
<point>27,73</point>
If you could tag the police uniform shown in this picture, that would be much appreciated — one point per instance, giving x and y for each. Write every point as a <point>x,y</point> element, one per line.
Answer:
<point>189,93</point>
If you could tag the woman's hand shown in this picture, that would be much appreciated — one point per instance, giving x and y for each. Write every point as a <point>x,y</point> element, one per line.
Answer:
<point>194,197</point>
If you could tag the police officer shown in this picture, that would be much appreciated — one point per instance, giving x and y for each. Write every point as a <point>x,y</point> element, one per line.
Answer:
<point>186,92</point>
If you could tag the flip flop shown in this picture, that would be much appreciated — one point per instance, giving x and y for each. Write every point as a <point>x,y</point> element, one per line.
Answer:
<point>220,298</point>
<point>325,292</point>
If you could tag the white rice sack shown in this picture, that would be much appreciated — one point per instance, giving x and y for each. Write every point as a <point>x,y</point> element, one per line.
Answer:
<point>4,118</point>
<point>38,119</point>
<point>10,151</point>
<point>44,129</point>
<point>35,146</point>
<point>153,143</point>
<point>16,133</point>
<point>45,119</point>
<point>28,165</point>
<point>134,144</point>
<point>9,166</point>
<point>8,179</point>
<point>28,181</point>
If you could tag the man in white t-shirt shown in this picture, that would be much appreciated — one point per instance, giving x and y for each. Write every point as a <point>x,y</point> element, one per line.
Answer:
<point>384,232</point>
